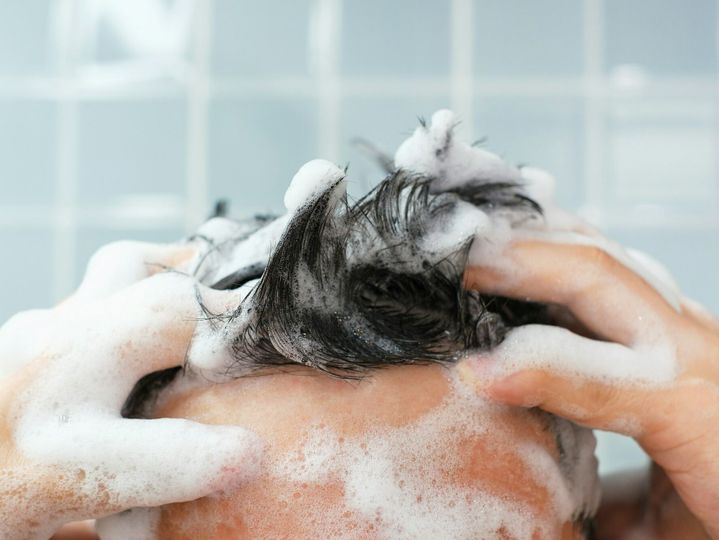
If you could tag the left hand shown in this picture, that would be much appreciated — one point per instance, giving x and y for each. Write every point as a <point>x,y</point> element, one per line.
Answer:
<point>651,371</point>
<point>65,451</point>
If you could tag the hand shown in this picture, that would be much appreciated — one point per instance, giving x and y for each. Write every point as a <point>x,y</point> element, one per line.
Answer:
<point>651,371</point>
<point>65,451</point>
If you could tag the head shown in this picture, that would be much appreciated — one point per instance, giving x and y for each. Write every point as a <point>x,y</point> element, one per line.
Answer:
<point>346,357</point>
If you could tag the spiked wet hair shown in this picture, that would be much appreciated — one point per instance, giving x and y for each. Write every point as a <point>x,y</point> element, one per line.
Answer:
<point>353,287</point>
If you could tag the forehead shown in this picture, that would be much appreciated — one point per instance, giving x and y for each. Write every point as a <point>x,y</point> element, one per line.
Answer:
<point>406,444</point>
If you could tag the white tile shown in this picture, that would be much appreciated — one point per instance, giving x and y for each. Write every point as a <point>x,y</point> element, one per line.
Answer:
<point>27,152</point>
<point>92,239</point>
<point>664,37</point>
<point>25,279</point>
<point>662,152</point>
<point>384,122</point>
<point>404,38</point>
<point>516,38</point>
<point>256,146</point>
<point>542,132</point>
<point>617,453</point>
<point>255,39</point>
<point>135,31</point>
<point>131,148</point>
<point>26,41</point>
<point>691,256</point>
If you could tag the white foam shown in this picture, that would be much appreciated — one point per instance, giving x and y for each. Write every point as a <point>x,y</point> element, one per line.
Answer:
<point>224,254</point>
<point>661,277</point>
<point>433,151</point>
<point>219,229</point>
<point>539,184</point>
<point>313,178</point>
<point>573,481</point>
<point>559,350</point>
<point>19,342</point>
<point>464,223</point>
<point>396,478</point>
<point>118,265</point>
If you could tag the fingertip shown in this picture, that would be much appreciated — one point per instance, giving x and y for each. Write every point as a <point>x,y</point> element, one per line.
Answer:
<point>520,389</point>
<point>476,371</point>
<point>243,459</point>
<point>481,278</point>
<point>482,373</point>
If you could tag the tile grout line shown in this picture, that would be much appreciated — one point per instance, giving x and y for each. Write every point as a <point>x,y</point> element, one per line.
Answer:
<point>461,77</point>
<point>57,90</point>
<point>594,109</point>
<point>197,181</point>
<point>65,228</point>
<point>326,25</point>
<point>716,106</point>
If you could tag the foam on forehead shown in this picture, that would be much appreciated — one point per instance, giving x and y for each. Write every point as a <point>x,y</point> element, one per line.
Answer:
<point>400,479</point>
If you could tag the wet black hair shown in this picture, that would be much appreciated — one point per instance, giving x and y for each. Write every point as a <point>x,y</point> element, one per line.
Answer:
<point>352,287</point>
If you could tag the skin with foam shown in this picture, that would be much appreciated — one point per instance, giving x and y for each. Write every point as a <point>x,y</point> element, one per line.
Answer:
<point>408,451</point>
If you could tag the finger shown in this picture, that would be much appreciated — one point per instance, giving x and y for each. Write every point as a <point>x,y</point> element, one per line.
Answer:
<point>598,384</point>
<point>79,530</point>
<point>142,329</point>
<point>607,297</point>
<point>700,315</point>
<point>120,264</point>
<point>118,463</point>
<point>18,338</point>
<point>135,523</point>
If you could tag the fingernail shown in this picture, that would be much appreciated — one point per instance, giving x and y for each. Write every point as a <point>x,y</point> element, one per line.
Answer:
<point>477,371</point>
<point>481,365</point>
<point>511,390</point>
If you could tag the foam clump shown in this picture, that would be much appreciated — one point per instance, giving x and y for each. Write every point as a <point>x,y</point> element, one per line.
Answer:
<point>117,265</point>
<point>313,178</point>
<point>559,350</point>
<point>434,151</point>
<point>18,339</point>
<point>539,184</point>
<point>464,223</point>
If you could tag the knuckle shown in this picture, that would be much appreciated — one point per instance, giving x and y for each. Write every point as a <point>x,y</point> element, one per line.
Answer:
<point>163,290</point>
<point>114,250</point>
<point>23,319</point>
<point>599,257</point>
<point>606,403</point>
